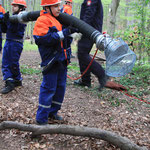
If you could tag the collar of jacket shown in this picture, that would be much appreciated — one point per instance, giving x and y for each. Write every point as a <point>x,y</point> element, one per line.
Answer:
<point>44,22</point>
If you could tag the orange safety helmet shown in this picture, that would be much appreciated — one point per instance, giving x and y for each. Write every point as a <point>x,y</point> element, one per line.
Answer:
<point>68,1</point>
<point>19,2</point>
<point>49,2</point>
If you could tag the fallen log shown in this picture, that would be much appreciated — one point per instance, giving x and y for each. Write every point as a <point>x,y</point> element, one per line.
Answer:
<point>98,58</point>
<point>117,140</point>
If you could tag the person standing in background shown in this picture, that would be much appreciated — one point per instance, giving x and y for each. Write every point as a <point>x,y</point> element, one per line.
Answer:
<point>92,14</point>
<point>13,48</point>
<point>67,8</point>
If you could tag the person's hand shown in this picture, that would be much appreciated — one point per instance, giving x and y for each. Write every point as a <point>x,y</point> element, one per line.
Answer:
<point>73,29</point>
<point>66,32</point>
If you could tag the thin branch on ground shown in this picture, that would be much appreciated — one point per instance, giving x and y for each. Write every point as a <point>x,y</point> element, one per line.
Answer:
<point>117,140</point>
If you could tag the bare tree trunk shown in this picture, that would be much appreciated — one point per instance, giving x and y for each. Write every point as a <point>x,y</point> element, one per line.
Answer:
<point>32,24</point>
<point>3,3</point>
<point>112,16</point>
<point>126,13</point>
<point>117,140</point>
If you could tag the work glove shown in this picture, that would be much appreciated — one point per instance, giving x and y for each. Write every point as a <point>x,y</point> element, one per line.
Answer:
<point>66,32</point>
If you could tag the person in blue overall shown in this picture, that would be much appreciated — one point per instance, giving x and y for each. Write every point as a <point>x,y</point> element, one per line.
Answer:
<point>2,12</point>
<point>50,39</point>
<point>91,13</point>
<point>12,49</point>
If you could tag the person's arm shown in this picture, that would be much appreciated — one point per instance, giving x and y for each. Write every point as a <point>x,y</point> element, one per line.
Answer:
<point>49,36</point>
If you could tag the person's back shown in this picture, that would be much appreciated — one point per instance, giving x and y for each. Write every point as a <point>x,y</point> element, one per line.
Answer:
<point>92,13</point>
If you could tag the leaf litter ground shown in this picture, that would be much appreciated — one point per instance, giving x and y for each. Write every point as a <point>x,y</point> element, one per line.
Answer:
<point>109,110</point>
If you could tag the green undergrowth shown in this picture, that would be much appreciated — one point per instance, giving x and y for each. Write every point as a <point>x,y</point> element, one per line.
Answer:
<point>137,82</point>
<point>29,71</point>
<point>27,46</point>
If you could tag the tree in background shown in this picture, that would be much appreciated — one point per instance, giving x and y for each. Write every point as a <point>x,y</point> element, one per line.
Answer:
<point>112,16</point>
<point>141,10</point>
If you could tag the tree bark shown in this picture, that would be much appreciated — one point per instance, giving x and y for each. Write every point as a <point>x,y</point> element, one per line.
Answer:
<point>117,140</point>
<point>125,22</point>
<point>112,16</point>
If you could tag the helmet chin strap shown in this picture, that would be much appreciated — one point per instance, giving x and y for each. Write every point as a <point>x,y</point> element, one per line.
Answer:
<point>51,11</point>
<point>17,12</point>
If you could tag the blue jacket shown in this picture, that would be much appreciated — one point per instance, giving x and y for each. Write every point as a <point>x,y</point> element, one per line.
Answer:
<point>15,31</point>
<point>92,13</point>
<point>48,40</point>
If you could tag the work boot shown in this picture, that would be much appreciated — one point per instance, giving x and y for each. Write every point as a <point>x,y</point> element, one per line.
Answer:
<point>55,117</point>
<point>103,82</point>
<point>81,83</point>
<point>39,123</point>
<point>9,86</point>
<point>115,86</point>
<point>17,83</point>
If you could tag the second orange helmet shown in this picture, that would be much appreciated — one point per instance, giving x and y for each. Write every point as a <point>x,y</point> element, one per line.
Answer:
<point>68,1</point>
<point>19,2</point>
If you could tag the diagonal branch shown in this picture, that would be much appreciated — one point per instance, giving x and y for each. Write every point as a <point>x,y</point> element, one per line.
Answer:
<point>117,140</point>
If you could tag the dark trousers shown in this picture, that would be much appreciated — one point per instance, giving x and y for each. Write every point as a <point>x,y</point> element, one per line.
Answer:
<point>84,48</point>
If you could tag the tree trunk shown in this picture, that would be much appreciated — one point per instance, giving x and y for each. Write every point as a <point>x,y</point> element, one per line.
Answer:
<point>3,3</point>
<point>112,16</point>
<point>126,13</point>
<point>117,140</point>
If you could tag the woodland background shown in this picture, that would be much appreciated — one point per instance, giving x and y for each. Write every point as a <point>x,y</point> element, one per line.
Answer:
<point>128,19</point>
<point>127,114</point>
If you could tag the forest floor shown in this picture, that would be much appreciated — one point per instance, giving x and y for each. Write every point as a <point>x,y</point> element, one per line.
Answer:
<point>110,110</point>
